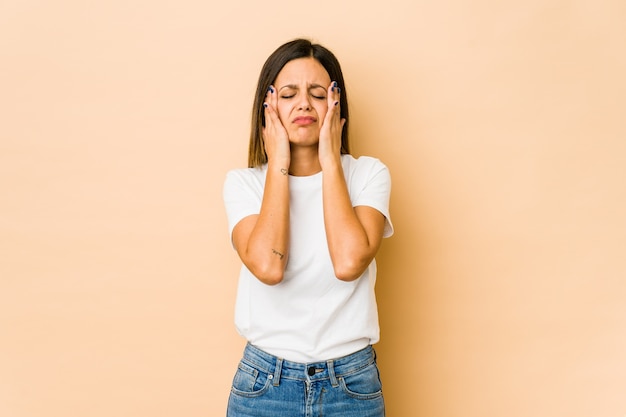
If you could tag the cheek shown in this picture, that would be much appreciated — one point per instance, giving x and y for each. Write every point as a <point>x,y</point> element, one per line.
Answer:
<point>283,113</point>
<point>321,109</point>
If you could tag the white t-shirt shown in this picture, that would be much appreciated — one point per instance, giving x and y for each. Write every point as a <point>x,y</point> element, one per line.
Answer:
<point>311,315</point>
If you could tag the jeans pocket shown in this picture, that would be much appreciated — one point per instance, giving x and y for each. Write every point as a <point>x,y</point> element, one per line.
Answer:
<point>249,381</point>
<point>364,384</point>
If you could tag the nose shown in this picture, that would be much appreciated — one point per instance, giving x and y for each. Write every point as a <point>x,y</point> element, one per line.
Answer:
<point>304,102</point>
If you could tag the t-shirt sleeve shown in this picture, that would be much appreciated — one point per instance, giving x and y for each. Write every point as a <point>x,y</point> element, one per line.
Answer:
<point>243,193</point>
<point>375,190</point>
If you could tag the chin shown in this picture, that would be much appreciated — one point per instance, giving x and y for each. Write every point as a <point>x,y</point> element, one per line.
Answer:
<point>304,140</point>
<point>299,142</point>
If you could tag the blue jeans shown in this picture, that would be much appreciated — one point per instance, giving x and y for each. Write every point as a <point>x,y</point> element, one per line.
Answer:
<point>267,386</point>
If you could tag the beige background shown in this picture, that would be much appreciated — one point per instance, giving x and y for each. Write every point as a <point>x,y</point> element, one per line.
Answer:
<point>502,293</point>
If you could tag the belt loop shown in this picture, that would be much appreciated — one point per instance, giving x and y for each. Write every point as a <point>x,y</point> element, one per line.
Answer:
<point>331,373</point>
<point>277,371</point>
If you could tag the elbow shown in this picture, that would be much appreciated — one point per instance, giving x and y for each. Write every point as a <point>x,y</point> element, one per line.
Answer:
<point>269,271</point>
<point>349,271</point>
<point>270,277</point>
<point>271,280</point>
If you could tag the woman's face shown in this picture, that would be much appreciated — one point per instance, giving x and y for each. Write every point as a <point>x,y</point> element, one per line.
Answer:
<point>302,88</point>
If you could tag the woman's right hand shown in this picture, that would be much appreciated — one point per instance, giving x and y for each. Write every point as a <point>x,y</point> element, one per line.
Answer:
<point>275,135</point>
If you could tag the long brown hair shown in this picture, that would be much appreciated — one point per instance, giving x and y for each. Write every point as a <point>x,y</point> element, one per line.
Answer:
<point>298,48</point>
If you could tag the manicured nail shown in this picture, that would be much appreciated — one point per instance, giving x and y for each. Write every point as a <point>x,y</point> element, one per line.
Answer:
<point>339,89</point>
<point>265,105</point>
<point>270,89</point>
<point>336,103</point>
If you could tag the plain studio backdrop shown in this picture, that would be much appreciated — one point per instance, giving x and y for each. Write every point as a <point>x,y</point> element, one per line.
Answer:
<point>502,293</point>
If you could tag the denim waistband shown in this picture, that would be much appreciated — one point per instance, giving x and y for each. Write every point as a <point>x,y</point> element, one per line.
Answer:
<point>314,371</point>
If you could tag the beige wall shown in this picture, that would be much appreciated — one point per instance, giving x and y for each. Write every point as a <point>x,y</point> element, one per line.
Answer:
<point>503,291</point>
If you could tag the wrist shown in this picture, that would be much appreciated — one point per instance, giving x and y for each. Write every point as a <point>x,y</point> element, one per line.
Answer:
<point>278,166</point>
<point>331,162</point>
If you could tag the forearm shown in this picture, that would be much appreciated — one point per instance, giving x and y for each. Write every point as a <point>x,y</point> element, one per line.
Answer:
<point>267,246</point>
<point>351,249</point>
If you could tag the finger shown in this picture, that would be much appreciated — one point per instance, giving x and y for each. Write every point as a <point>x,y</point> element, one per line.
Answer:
<point>271,117</point>
<point>335,91</point>
<point>273,97</point>
<point>332,94</point>
<point>333,114</point>
<point>265,104</point>
<point>270,105</point>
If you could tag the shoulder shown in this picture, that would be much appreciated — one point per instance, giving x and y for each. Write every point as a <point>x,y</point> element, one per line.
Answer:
<point>246,175</point>
<point>363,165</point>
<point>248,180</point>
<point>361,161</point>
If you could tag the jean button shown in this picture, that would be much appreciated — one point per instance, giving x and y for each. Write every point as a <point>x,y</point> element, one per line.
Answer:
<point>311,371</point>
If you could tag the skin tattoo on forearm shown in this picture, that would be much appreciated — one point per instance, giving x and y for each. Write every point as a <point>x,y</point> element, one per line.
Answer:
<point>274,251</point>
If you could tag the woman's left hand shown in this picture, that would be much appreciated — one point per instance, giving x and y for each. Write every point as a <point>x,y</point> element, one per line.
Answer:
<point>330,132</point>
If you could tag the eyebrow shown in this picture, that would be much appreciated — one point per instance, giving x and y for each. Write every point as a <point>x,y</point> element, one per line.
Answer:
<point>295,87</point>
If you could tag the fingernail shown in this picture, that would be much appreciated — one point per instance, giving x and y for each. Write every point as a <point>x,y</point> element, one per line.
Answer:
<point>265,105</point>
<point>270,89</point>
<point>339,89</point>
<point>334,83</point>
<point>336,103</point>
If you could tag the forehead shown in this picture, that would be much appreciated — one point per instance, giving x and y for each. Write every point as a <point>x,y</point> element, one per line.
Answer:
<point>303,70</point>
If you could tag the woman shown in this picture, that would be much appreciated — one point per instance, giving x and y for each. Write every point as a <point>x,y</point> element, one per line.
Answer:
<point>306,219</point>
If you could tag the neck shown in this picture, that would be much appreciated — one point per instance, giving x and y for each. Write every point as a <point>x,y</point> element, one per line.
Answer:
<point>304,161</point>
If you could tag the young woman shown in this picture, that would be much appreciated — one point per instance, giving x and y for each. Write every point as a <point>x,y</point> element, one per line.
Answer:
<point>306,218</point>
